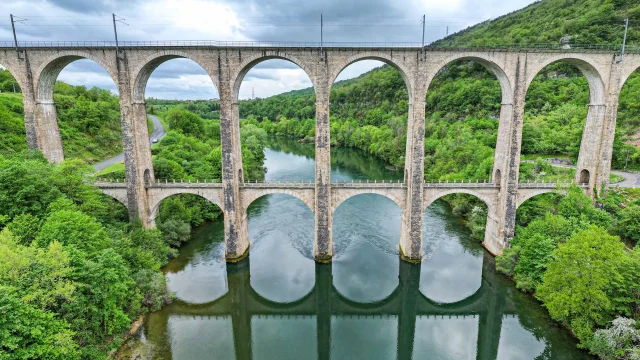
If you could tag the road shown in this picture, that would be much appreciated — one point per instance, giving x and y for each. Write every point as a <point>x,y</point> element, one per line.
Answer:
<point>631,180</point>
<point>157,133</point>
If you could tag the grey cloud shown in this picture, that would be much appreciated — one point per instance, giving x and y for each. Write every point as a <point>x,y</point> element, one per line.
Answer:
<point>92,6</point>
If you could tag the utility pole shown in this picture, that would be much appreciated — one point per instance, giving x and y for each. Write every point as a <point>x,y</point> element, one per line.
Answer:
<point>15,38</point>
<point>253,93</point>
<point>624,41</point>
<point>447,30</point>
<point>626,160</point>
<point>424,20</point>
<point>115,32</point>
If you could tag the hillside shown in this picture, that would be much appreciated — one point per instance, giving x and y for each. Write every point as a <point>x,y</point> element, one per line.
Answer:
<point>546,21</point>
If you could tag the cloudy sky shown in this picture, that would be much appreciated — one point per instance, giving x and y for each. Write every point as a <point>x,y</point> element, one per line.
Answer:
<point>239,20</point>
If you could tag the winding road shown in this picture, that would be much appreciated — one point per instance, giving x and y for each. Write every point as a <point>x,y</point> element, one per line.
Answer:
<point>631,180</point>
<point>157,133</point>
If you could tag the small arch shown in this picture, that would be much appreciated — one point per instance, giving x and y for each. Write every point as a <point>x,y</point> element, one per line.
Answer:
<point>249,196</point>
<point>155,202</point>
<point>489,198</point>
<point>497,177</point>
<point>147,176</point>
<point>344,195</point>
<point>585,177</point>
<point>240,179</point>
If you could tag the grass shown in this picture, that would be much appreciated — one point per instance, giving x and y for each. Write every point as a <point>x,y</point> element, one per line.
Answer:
<point>613,178</point>
<point>110,169</point>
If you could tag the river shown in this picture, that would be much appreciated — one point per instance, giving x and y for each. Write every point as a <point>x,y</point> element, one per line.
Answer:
<point>367,304</point>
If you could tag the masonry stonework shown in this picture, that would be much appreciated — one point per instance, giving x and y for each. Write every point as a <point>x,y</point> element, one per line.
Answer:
<point>36,70</point>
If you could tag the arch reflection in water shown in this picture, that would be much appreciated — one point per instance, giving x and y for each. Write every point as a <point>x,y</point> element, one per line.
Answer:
<point>325,325</point>
<point>281,236</point>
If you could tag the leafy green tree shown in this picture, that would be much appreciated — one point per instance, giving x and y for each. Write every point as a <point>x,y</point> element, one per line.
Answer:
<point>628,226</point>
<point>73,228</point>
<point>589,281</point>
<point>28,333</point>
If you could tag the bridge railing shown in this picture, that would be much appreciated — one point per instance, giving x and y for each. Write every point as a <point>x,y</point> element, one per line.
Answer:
<point>291,44</point>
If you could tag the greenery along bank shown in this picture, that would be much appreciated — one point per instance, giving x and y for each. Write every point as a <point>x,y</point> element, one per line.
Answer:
<point>73,272</point>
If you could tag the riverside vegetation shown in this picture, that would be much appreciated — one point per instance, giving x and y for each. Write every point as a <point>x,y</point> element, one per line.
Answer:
<point>75,273</point>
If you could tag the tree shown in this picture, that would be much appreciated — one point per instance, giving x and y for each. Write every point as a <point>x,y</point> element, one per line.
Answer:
<point>73,228</point>
<point>28,333</point>
<point>628,227</point>
<point>589,281</point>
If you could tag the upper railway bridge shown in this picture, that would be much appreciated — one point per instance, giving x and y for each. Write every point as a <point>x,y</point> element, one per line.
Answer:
<point>37,65</point>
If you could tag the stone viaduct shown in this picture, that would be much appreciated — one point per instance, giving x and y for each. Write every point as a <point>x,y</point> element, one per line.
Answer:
<point>36,68</point>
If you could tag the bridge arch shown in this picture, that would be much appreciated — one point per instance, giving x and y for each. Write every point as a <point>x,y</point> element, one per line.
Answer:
<point>247,64</point>
<point>339,196</point>
<point>387,58</point>
<point>488,197</point>
<point>307,196</point>
<point>488,63</point>
<point>142,74</point>
<point>17,75</point>
<point>524,195</point>
<point>158,195</point>
<point>51,67</point>
<point>585,64</point>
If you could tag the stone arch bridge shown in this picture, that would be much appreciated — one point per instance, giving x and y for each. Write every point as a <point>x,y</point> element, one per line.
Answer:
<point>36,66</point>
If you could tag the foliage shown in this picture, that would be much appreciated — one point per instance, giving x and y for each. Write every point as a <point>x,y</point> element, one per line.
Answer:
<point>589,281</point>
<point>620,341</point>
<point>74,274</point>
<point>628,226</point>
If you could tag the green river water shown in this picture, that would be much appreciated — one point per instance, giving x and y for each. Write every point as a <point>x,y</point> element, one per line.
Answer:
<point>367,304</point>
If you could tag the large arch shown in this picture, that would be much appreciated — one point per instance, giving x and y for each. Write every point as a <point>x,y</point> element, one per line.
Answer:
<point>626,151</point>
<point>594,76</point>
<point>488,63</point>
<point>249,63</point>
<point>51,67</point>
<point>407,74</point>
<point>542,123</point>
<point>142,74</point>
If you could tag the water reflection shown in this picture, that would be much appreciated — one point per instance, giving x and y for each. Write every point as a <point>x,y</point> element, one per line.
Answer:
<point>326,325</point>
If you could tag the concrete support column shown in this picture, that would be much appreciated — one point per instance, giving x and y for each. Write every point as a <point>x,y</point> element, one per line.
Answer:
<point>236,235</point>
<point>501,230</point>
<point>29,103</point>
<point>135,145</point>
<point>323,246</point>
<point>47,131</point>
<point>409,285</point>
<point>238,282</point>
<point>411,227</point>
<point>590,147</point>
<point>323,288</point>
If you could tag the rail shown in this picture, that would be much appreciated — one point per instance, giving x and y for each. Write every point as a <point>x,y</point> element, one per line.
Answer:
<point>214,183</point>
<point>289,44</point>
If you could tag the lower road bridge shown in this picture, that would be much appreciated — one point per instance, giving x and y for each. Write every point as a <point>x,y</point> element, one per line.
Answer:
<point>307,192</point>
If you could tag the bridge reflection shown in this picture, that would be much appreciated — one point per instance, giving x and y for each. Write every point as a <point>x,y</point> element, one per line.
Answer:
<point>405,305</point>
